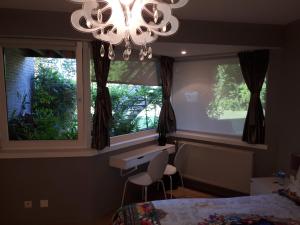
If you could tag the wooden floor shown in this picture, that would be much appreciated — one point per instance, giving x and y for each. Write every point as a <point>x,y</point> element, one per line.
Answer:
<point>180,192</point>
<point>188,193</point>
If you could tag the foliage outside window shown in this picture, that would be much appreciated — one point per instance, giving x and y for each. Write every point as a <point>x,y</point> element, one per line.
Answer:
<point>134,107</point>
<point>230,94</point>
<point>43,106</point>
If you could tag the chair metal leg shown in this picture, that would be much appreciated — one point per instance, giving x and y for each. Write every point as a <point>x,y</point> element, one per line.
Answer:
<point>146,193</point>
<point>181,180</point>
<point>124,192</point>
<point>171,186</point>
<point>163,186</point>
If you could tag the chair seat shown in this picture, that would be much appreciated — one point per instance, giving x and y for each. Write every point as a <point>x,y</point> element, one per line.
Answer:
<point>170,170</point>
<point>142,179</point>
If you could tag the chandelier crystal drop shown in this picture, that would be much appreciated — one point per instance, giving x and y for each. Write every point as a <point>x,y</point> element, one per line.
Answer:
<point>132,22</point>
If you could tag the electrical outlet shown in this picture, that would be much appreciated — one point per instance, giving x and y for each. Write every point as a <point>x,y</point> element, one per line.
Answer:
<point>27,204</point>
<point>44,203</point>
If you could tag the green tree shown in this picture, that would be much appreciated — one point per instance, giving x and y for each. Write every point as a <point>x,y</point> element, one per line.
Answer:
<point>230,91</point>
<point>53,106</point>
<point>128,100</point>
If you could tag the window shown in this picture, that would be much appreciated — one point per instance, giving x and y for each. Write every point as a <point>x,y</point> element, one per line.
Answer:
<point>230,94</point>
<point>41,85</point>
<point>135,95</point>
<point>41,94</point>
<point>214,96</point>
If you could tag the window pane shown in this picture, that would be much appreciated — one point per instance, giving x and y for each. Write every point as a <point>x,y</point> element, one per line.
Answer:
<point>132,72</point>
<point>211,97</point>
<point>41,94</point>
<point>134,107</point>
<point>230,94</point>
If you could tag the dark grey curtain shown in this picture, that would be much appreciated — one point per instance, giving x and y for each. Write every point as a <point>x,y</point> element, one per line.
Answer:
<point>254,66</point>
<point>167,119</point>
<point>103,112</point>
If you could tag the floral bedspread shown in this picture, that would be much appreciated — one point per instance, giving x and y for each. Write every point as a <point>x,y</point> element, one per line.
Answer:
<point>244,219</point>
<point>271,209</point>
<point>197,211</point>
<point>138,214</point>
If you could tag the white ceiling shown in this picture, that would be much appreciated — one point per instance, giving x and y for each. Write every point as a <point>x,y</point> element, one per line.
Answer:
<point>247,11</point>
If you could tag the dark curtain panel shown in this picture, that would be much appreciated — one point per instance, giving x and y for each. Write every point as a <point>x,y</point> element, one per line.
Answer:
<point>167,119</point>
<point>254,66</point>
<point>103,112</point>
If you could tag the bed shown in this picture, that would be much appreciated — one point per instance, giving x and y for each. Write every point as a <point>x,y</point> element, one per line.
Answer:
<point>271,209</point>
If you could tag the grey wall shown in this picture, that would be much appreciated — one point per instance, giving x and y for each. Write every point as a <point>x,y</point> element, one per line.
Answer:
<point>288,99</point>
<point>80,190</point>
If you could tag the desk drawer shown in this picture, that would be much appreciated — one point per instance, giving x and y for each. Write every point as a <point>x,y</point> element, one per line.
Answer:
<point>139,160</point>
<point>139,156</point>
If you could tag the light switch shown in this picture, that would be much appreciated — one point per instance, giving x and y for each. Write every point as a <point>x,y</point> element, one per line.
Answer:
<point>44,203</point>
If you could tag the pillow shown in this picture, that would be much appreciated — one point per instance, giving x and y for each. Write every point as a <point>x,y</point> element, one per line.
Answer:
<point>293,190</point>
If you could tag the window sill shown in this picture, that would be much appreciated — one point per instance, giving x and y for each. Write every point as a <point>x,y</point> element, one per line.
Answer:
<point>56,153</point>
<point>217,139</point>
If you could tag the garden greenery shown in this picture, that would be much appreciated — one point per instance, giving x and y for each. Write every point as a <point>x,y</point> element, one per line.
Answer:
<point>53,114</point>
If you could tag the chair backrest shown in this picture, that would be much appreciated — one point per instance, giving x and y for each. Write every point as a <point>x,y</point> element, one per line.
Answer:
<point>178,158</point>
<point>158,165</point>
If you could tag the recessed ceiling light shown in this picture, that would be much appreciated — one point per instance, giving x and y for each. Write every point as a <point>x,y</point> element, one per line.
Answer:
<point>183,52</point>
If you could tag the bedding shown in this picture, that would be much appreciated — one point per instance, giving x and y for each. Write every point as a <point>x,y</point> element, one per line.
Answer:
<point>271,209</point>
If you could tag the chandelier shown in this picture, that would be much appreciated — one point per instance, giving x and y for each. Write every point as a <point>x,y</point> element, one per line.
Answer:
<point>128,22</point>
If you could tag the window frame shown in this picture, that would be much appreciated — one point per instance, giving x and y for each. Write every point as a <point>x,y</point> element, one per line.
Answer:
<point>58,148</point>
<point>81,142</point>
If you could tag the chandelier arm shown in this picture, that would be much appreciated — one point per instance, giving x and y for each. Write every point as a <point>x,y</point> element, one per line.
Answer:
<point>149,12</point>
<point>167,17</point>
<point>75,20</point>
<point>179,4</point>
<point>174,23</point>
<point>101,12</point>
<point>84,1</point>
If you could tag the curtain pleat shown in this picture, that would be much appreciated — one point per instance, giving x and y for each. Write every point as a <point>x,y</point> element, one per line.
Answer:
<point>254,66</point>
<point>103,109</point>
<point>167,119</point>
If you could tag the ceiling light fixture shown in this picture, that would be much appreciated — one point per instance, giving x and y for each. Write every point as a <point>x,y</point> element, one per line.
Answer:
<point>137,22</point>
<point>183,52</point>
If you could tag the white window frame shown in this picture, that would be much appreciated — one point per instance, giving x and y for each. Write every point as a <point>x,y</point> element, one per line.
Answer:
<point>81,142</point>
<point>61,148</point>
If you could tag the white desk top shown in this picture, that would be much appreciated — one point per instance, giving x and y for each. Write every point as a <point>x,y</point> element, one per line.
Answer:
<point>139,156</point>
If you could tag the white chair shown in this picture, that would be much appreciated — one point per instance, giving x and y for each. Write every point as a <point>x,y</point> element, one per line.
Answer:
<point>171,170</point>
<point>154,174</point>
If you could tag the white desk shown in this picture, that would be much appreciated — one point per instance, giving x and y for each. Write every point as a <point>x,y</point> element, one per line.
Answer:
<point>132,159</point>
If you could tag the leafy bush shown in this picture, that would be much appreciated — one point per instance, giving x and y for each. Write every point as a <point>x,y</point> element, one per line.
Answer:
<point>53,108</point>
<point>127,103</point>
<point>230,91</point>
